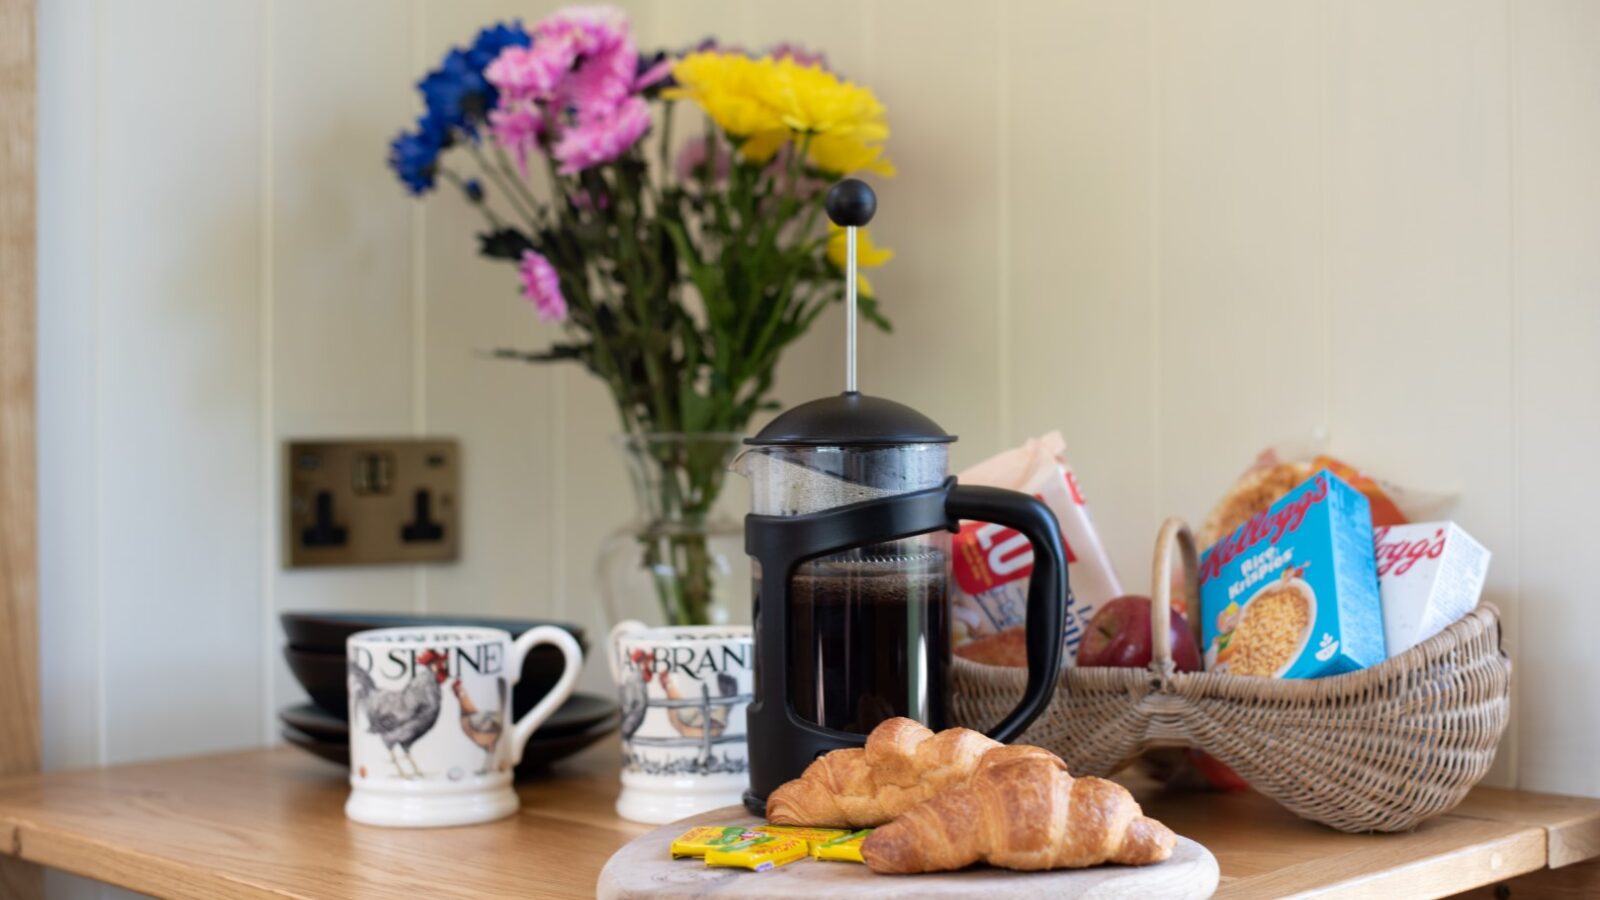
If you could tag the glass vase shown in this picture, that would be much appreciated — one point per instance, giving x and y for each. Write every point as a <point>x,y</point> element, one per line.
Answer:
<point>680,561</point>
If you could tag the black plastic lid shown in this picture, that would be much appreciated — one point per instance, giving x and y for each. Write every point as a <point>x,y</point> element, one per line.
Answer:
<point>851,419</point>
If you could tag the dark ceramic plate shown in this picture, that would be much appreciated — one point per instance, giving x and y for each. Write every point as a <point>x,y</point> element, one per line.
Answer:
<point>325,632</point>
<point>315,722</point>
<point>337,752</point>
<point>324,677</point>
<point>544,750</point>
<point>541,751</point>
<point>580,713</point>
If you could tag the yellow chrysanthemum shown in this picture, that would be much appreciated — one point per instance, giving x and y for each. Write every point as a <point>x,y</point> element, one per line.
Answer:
<point>728,87</point>
<point>767,102</point>
<point>868,254</point>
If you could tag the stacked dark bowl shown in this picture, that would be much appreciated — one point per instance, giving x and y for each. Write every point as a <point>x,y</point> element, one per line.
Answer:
<point>315,651</point>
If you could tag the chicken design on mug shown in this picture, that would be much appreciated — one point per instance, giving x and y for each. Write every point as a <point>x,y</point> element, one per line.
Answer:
<point>431,737</point>
<point>683,692</point>
<point>401,716</point>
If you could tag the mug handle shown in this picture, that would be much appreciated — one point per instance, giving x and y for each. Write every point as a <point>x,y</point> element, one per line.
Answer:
<point>620,630</point>
<point>524,727</point>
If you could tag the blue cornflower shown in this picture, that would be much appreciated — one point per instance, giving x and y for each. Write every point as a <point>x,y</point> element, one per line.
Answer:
<point>457,94</point>
<point>414,155</point>
<point>458,97</point>
<point>490,41</point>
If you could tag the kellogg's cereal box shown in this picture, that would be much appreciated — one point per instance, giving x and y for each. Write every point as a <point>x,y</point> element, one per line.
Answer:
<point>1293,592</point>
<point>1430,575</point>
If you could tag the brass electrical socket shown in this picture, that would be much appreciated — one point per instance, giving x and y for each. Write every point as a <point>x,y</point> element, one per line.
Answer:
<point>363,502</point>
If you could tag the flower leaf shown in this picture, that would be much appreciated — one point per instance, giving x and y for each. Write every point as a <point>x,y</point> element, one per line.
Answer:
<point>504,243</point>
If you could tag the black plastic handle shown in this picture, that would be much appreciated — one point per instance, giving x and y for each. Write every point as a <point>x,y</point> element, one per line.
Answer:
<point>1047,590</point>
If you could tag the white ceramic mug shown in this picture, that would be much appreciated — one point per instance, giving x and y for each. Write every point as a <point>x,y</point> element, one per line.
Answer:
<point>431,737</point>
<point>683,691</point>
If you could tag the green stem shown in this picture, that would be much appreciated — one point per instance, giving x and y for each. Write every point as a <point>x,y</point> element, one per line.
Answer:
<point>529,214</point>
<point>666,141</point>
<point>455,179</point>
<point>515,177</point>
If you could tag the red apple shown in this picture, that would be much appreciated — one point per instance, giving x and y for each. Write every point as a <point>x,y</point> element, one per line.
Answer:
<point>1119,635</point>
<point>1215,773</point>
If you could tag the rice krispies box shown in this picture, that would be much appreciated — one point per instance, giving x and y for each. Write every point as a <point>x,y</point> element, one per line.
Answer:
<point>1293,593</point>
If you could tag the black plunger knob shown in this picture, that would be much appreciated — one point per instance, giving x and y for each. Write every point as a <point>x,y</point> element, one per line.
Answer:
<point>851,202</point>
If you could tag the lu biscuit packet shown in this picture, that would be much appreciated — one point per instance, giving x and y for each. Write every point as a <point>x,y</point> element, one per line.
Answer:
<point>812,836</point>
<point>846,847</point>
<point>697,841</point>
<point>758,853</point>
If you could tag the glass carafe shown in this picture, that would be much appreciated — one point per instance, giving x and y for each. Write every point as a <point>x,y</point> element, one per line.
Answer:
<point>869,631</point>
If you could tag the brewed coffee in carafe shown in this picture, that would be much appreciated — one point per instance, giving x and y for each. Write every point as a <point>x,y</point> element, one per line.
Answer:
<point>869,628</point>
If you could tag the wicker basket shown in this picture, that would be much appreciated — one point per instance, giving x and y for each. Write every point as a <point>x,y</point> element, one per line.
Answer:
<point>1377,750</point>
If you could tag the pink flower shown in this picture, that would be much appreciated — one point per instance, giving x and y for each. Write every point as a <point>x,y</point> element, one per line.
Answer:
<point>604,75</point>
<point>601,136</point>
<point>694,163</point>
<point>527,73</point>
<point>655,74</point>
<point>518,130</point>
<point>542,286</point>
<point>573,90</point>
<point>585,201</point>
<point>799,54</point>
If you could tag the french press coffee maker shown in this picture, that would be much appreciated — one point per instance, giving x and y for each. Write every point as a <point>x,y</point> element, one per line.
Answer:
<point>849,534</point>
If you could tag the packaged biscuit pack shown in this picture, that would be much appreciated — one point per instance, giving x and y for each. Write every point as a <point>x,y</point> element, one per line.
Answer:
<point>844,848</point>
<point>702,839</point>
<point>812,836</point>
<point>1293,591</point>
<point>759,853</point>
<point>991,563</point>
<point>696,842</point>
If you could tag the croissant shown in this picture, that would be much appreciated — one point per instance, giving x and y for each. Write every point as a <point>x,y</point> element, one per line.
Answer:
<point>1021,811</point>
<point>902,765</point>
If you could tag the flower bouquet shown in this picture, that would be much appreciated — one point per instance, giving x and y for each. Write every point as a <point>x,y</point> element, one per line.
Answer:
<point>677,270</point>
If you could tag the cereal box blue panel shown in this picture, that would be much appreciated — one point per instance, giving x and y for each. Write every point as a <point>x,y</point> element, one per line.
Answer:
<point>1293,593</point>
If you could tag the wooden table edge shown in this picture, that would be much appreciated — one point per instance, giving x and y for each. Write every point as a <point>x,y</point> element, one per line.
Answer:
<point>1519,853</point>
<point>123,867</point>
<point>1572,832</point>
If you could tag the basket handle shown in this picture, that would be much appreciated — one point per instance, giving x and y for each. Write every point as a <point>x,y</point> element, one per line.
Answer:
<point>1174,531</point>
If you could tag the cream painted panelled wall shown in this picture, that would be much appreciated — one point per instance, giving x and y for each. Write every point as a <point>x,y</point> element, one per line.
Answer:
<point>1176,231</point>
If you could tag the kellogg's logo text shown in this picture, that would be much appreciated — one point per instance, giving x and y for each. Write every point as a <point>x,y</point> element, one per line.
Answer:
<point>1268,526</point>
<point>1397,557</point>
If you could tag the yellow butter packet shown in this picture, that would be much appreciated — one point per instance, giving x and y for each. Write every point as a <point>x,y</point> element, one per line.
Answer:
<point>759,853</point>
<point>844,847</point>
<point>696,841</point>
<point>812,836</point>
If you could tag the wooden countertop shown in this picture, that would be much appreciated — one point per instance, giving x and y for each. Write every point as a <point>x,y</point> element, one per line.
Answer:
<point>270,824</point>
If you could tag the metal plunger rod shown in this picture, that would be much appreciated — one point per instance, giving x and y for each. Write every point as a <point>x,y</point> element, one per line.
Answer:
<point>850,309</point>
<point>851,205</point>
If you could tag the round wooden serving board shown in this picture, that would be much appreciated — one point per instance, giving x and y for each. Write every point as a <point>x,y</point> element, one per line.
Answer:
<point>645,868</point>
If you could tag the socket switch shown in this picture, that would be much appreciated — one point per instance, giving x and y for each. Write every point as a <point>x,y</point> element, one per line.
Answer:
<point>361,502</point>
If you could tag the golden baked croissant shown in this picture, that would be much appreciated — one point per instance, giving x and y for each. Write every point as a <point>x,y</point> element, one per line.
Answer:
<point>1021,811</point>
<point>902,765</point>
